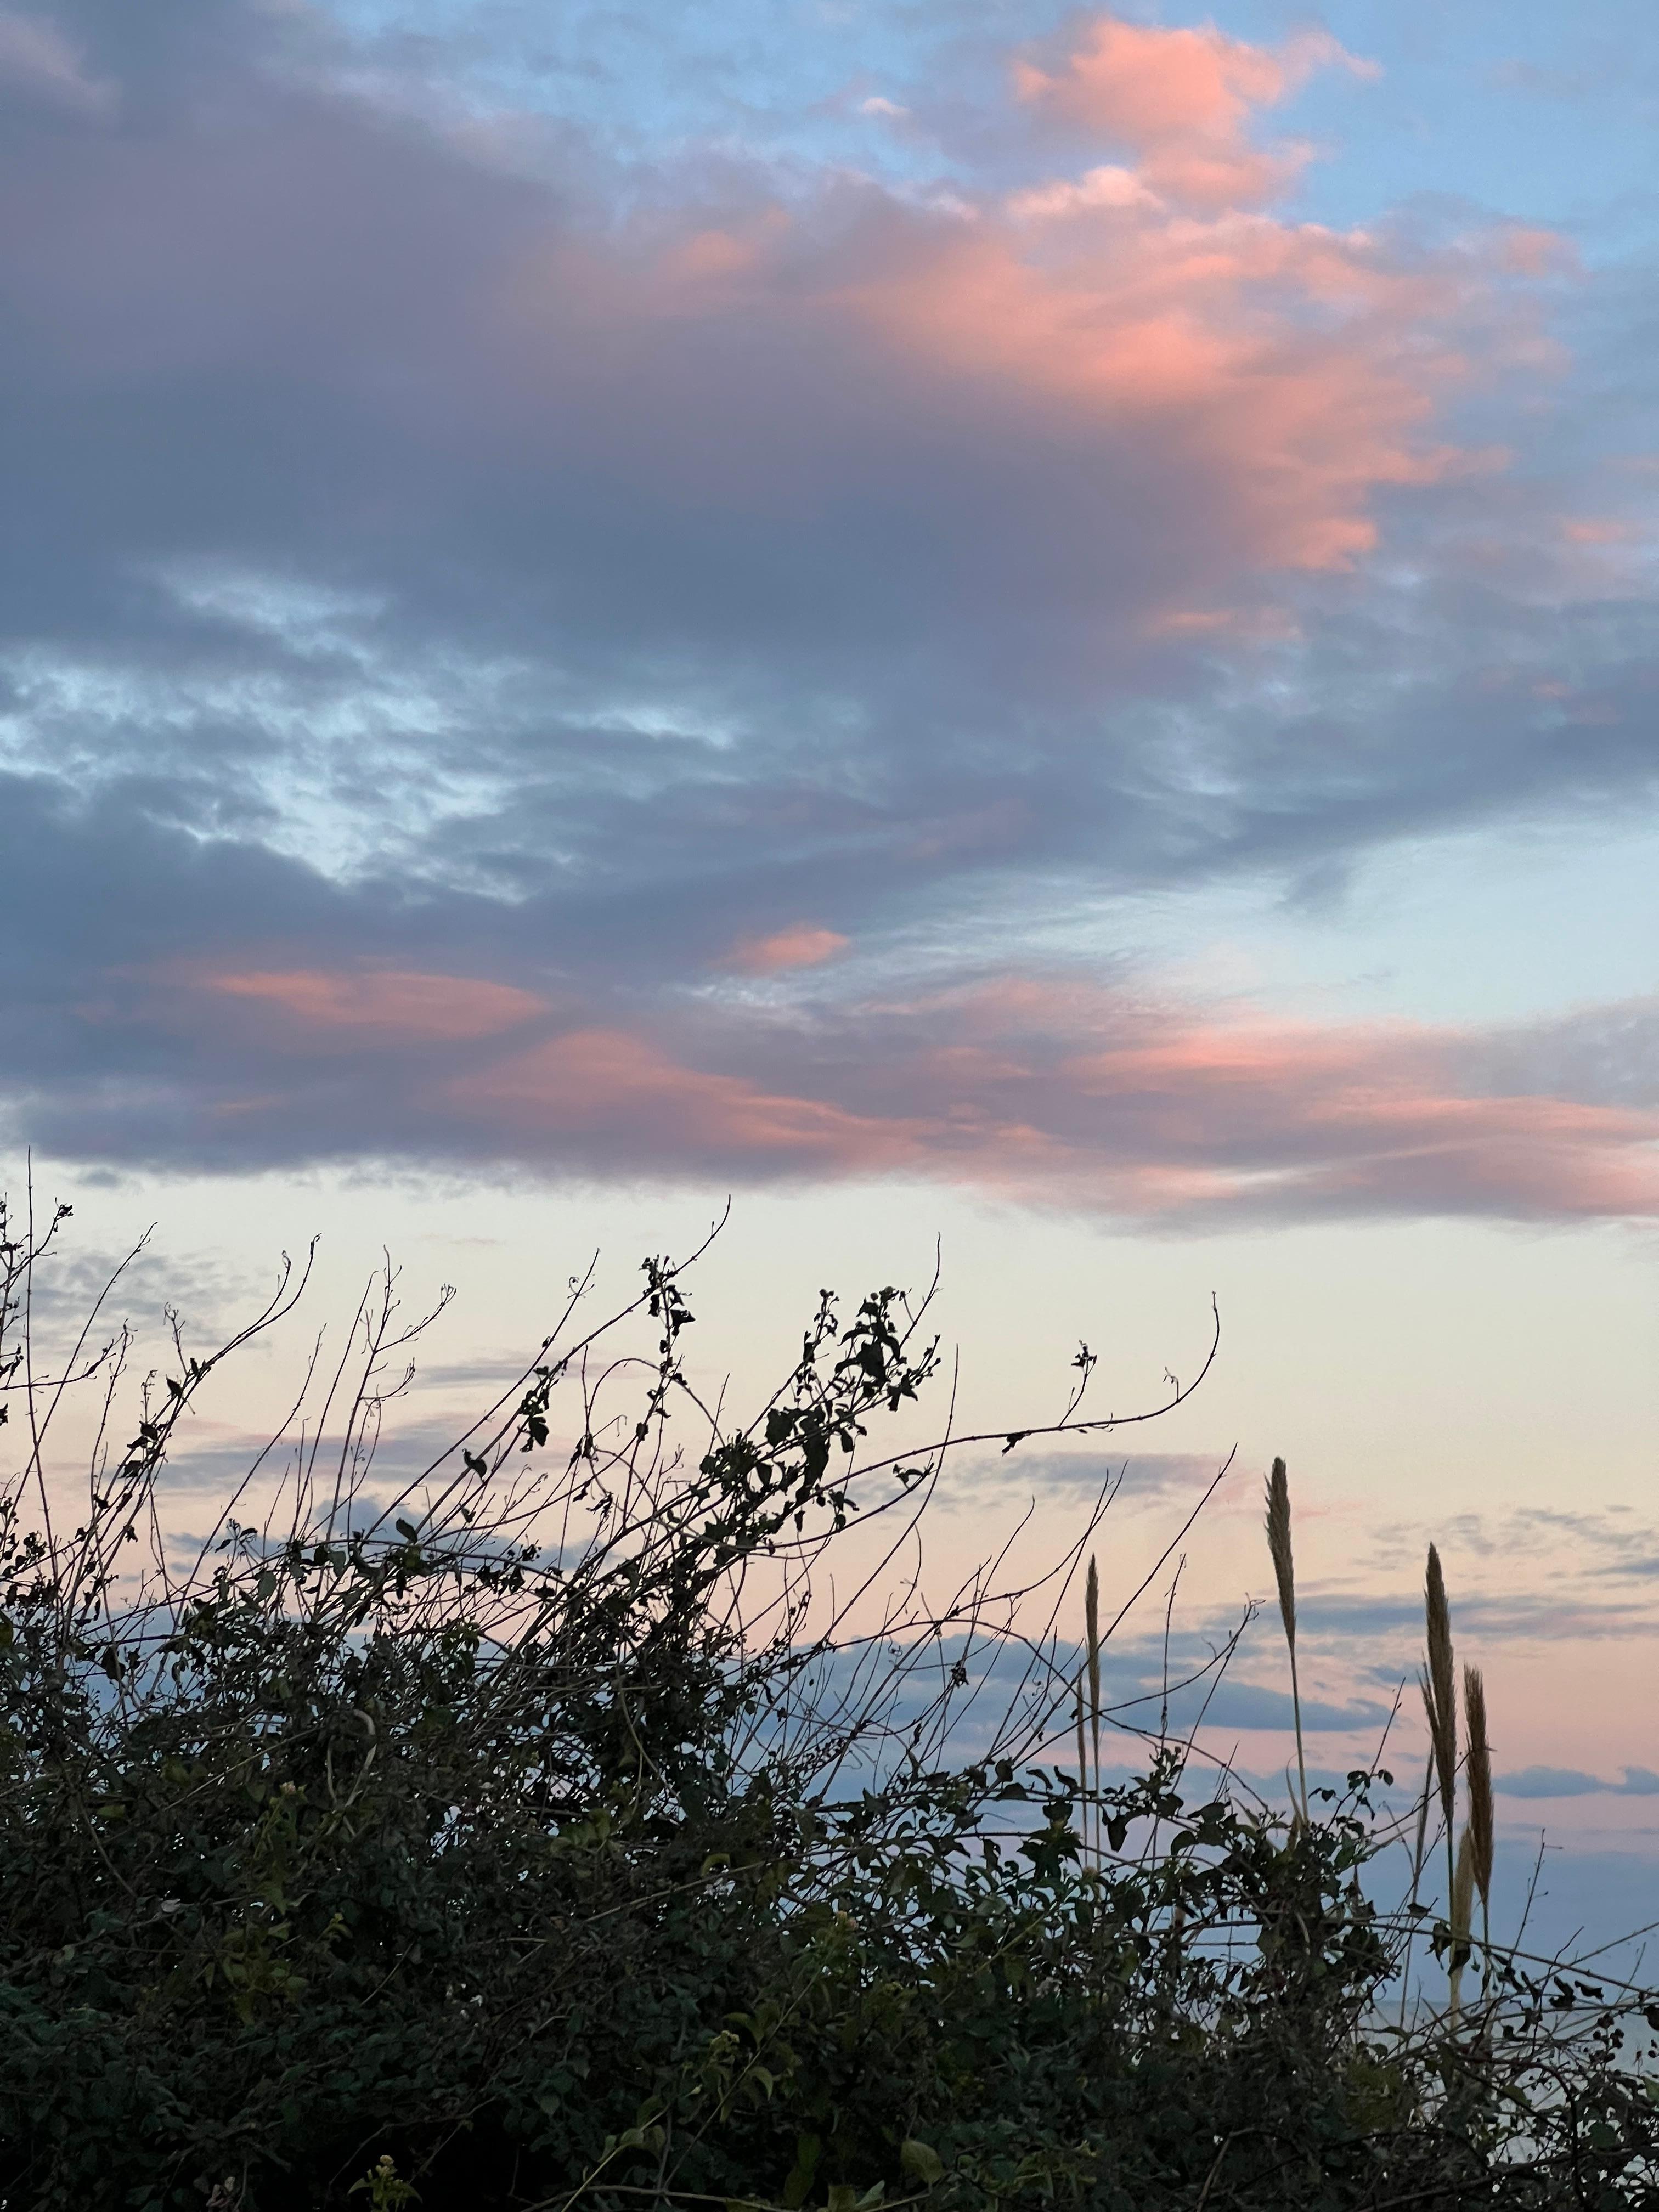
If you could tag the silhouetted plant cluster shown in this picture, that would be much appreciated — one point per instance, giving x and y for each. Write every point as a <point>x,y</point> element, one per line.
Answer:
<point>541,1835</point>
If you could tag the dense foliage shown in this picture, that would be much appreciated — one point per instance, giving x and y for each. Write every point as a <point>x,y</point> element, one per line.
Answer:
<point>530,1838</point>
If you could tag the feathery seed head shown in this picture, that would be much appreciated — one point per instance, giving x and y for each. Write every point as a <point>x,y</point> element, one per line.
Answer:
<point>1482,1822</point>
<point>1462,1896</point>
<point>1440,1691</point>
<point>1278,1544</point>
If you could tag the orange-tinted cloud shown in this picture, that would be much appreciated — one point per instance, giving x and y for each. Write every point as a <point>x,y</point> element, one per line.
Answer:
<point>1062,1094</point>
<point>1181,99</point>
<point>1031,422</point>
<point>622,1092</point>
<point>1234,389</point>
<point>1279,372</point>
<point>1294,1118</point>
<point>1047,1089</point>
<point>802,946</point>
<point>1599,530</point>
<point>384,1003</point>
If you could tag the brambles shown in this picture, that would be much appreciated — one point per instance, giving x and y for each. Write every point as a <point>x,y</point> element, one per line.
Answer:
<point>538,1835</point>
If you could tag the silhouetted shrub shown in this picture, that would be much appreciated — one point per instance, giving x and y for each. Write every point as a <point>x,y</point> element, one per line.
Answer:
<point>528,1838</point>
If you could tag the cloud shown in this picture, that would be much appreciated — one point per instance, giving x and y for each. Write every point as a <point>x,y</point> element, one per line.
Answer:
<point>1140,1676</point>
<point>39,64</point>
<point>1128,1100</point>
<point>400,1453</point>
<point>1182,329</point>
<point>1181,99</point>
<point>1557,1609</point>
<point>595,1093</point>
<point>1611,1541</point>
<point>746,458</point>
<point>1247,1705</point>
<point>1076,1475</point>
<point>137,1289</point>
<point>1107,185</point>
<point>801,945</point>
<point>472,596</point>
<point>1569,1782</point>
<point>420,1009</point>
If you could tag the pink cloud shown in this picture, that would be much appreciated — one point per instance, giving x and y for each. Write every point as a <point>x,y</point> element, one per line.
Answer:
<point>1234,387</point>
<point>802,946</point>
<point>1063,1094</point>
<point>1285,372</point>
<point>1599,530</point>
<point>1043,1089</point>
<point>1230,390</point>
<point>1180,98</point>
<point>1297,1117</point>
<point>1531,252</point>
<point>620,1091</point>
<point>384,1003</point>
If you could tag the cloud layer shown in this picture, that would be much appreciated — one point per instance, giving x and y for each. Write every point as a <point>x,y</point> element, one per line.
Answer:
<point>1038,1087</point>
<point>508,653</point>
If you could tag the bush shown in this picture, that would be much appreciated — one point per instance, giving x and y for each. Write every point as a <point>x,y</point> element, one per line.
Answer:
<point>528,1840</point>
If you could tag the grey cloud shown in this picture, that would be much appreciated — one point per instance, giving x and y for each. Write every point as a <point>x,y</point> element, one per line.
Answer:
<point>1609,1055</point>
<point>188,998</point>
<point>1552,1613</point>
<point>1547,1782</point>
<point>405,1449</point>
<point>1569,1782</point>
<point>1247,1705</point>
<point>134,1288</point>
<point>391,579</point>
<point>1077,1476</point>
<point>307,313</point>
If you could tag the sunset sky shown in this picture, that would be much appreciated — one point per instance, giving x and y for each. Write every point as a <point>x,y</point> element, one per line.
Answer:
<point>958,619</point>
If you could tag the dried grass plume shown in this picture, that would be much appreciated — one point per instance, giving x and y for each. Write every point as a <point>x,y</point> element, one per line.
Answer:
<point>1482,1821</point>
<point>1440,1689</point>
<point>1279,1547</point>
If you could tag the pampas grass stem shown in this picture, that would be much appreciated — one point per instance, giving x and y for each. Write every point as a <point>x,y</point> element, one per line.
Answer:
<point>1082,1776</point>
<point>1461,1913</point>
<point>1417,1880</point>
<point>1091,1623</point>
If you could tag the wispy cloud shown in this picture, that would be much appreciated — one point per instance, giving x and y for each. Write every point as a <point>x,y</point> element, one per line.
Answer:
<point>1049,1089</point>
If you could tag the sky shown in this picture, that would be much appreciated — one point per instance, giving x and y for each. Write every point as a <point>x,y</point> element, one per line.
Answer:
<point>995,623</point>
